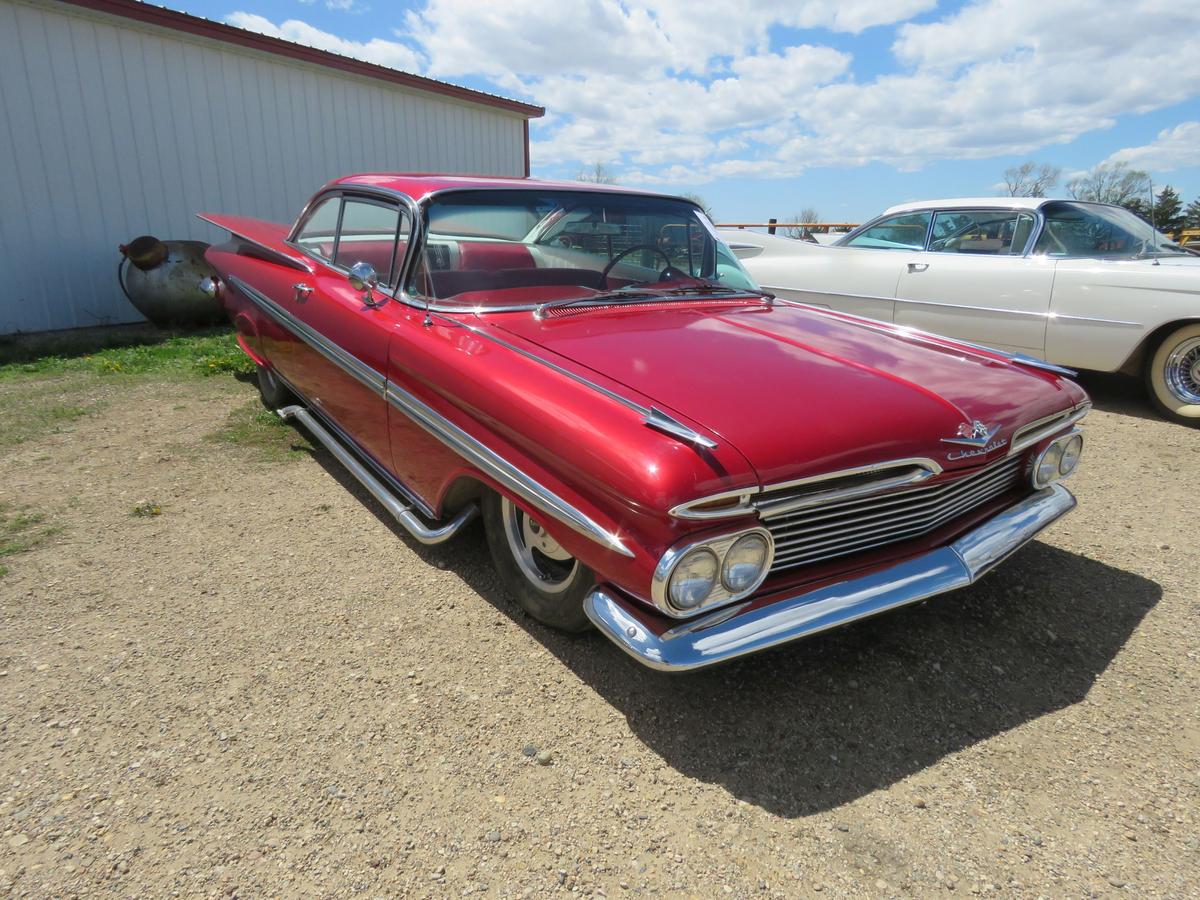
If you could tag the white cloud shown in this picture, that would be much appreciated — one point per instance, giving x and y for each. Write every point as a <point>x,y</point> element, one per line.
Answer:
<point>673,90</point>
<point>1174,148</point>
<point>384,53</point>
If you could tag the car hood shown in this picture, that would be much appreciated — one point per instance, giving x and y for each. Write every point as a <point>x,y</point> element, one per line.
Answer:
<point>799,391</point>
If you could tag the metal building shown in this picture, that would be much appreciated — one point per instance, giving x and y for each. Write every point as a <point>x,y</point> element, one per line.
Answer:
<point>122,118</point>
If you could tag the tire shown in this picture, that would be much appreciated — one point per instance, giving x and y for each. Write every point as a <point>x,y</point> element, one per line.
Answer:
<point>550,588</point>
<point>270,388</point>
<point>1173,376</point>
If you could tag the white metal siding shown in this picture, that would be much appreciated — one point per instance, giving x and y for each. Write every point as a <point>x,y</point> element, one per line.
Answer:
<point>113,129</point>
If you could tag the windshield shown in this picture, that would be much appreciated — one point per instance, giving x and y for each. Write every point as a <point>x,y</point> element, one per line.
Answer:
<point>1094,230</point>
<point>515,248</point>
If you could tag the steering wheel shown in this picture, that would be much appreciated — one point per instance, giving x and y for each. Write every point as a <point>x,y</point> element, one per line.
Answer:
<point>624,253</point>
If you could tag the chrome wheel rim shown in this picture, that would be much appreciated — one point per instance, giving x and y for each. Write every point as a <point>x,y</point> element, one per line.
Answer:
<point>1182,371</point>
<point>546,565</point>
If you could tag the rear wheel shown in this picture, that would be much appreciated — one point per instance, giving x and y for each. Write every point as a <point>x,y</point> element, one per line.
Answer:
<point>274,394</point>
<point>548,582</point>
<point>1173,375</point>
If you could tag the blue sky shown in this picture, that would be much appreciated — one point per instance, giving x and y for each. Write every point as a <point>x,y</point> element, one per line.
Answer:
<point>765,108</point>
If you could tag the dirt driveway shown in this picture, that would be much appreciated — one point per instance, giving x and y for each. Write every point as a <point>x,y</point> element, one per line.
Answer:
<point>266,690</point>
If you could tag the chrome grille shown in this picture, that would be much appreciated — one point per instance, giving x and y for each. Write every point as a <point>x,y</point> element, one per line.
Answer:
<point>863,523</point>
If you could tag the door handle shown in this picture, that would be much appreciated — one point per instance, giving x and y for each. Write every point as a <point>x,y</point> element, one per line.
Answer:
<point>303,291</point>
<point>917,267</point>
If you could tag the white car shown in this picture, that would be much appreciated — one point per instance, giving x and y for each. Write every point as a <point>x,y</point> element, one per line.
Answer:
<point>1083,285</point>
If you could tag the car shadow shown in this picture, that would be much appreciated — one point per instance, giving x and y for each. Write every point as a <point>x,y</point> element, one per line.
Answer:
<point>1121,394</point>
<point>822,722</point>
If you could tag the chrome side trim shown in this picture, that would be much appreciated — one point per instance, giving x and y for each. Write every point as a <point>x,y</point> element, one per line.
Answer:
<point>454,437</point>
<point>945,343</point>
<point>1117,322</point>
<point>282,258</point>
<point>533,493</point>
<point>1028,435</point>
<point>400,512</point>
<point>991,309</point>
<point>651,416</point>
<point>775,290</point>
<point>345,360</point>
<point>727,635</point>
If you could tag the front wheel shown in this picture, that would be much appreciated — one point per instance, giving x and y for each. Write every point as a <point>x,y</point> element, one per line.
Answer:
<point>548,582</point>
<point>1173,376</point>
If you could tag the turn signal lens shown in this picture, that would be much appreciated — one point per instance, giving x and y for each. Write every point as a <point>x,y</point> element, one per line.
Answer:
<point>693,579</point>
<point>744,563</point>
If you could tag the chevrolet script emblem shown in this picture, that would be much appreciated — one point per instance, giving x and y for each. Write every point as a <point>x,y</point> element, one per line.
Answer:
<point>976,434</point>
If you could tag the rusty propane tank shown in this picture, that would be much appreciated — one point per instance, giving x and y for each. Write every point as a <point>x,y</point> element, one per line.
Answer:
<point>162,280</point>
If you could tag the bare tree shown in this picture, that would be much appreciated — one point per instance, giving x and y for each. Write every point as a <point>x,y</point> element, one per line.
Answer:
<point>1031,179</point>
<point>1114,183</point>
<point>598,173</point>
<point>794,229</point>
<point>700,202</point>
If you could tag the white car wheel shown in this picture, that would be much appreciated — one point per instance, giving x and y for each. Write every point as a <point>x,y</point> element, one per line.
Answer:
<point>1173,375</point>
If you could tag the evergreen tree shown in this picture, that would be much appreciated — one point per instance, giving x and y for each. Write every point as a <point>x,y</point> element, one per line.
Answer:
<point>1168,212</point>
<point>1191,215</point>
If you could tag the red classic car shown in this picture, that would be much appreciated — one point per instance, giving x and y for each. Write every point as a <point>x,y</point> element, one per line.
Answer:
<point>655,446</point>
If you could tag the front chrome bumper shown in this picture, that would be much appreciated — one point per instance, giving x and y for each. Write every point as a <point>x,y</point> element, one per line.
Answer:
<point>737,631</point>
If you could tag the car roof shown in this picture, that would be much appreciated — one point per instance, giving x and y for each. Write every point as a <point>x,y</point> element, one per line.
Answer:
<point>418,185</point>
<point>973,202</point>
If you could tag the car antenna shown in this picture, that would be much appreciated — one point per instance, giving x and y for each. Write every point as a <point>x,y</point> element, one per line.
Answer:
<point>1153,227</point>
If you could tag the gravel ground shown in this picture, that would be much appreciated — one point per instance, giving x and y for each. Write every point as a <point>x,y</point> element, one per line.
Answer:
<point>267,690</point>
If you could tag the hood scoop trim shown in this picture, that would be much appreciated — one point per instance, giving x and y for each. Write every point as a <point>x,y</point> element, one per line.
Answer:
<point>658,420</point>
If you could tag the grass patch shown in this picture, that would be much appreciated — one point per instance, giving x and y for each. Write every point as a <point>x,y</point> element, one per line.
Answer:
<point>131,350</point>
<point>48,381</point>
<point>261,430</point>
<point>22,530</point>
<point>35,408</point>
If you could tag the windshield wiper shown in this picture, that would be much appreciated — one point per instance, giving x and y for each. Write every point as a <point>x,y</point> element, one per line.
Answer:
<point>635,292</point>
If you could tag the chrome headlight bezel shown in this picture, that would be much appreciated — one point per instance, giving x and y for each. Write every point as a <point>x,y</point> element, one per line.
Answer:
<point>719,594</point>
<point>1047,467</point>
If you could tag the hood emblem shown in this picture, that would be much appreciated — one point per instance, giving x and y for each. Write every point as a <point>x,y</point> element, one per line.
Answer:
<point>973,434</point>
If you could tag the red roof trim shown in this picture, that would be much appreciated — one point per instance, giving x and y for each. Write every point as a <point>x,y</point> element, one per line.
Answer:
<point>217,31</point>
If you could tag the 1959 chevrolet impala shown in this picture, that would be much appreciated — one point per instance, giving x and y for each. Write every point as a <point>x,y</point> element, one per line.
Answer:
<point>656,446</point>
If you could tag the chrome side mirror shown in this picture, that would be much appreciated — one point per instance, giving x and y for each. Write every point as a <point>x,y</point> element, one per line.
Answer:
<point>363,277</point>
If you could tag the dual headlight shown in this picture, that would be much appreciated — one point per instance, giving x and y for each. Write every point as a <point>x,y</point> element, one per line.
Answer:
<point>1058,460</point>
<point>712,572</point>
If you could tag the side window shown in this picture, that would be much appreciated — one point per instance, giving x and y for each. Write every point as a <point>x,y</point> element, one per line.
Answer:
<point>374,232</point>
<point>902,232</point>
<point>319,232</point>
<point>993,232</point>
<point>1079,231</point>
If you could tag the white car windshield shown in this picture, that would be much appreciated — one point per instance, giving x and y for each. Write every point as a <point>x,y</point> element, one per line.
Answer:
<point>1091,230</point>
<point>505,248</point>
